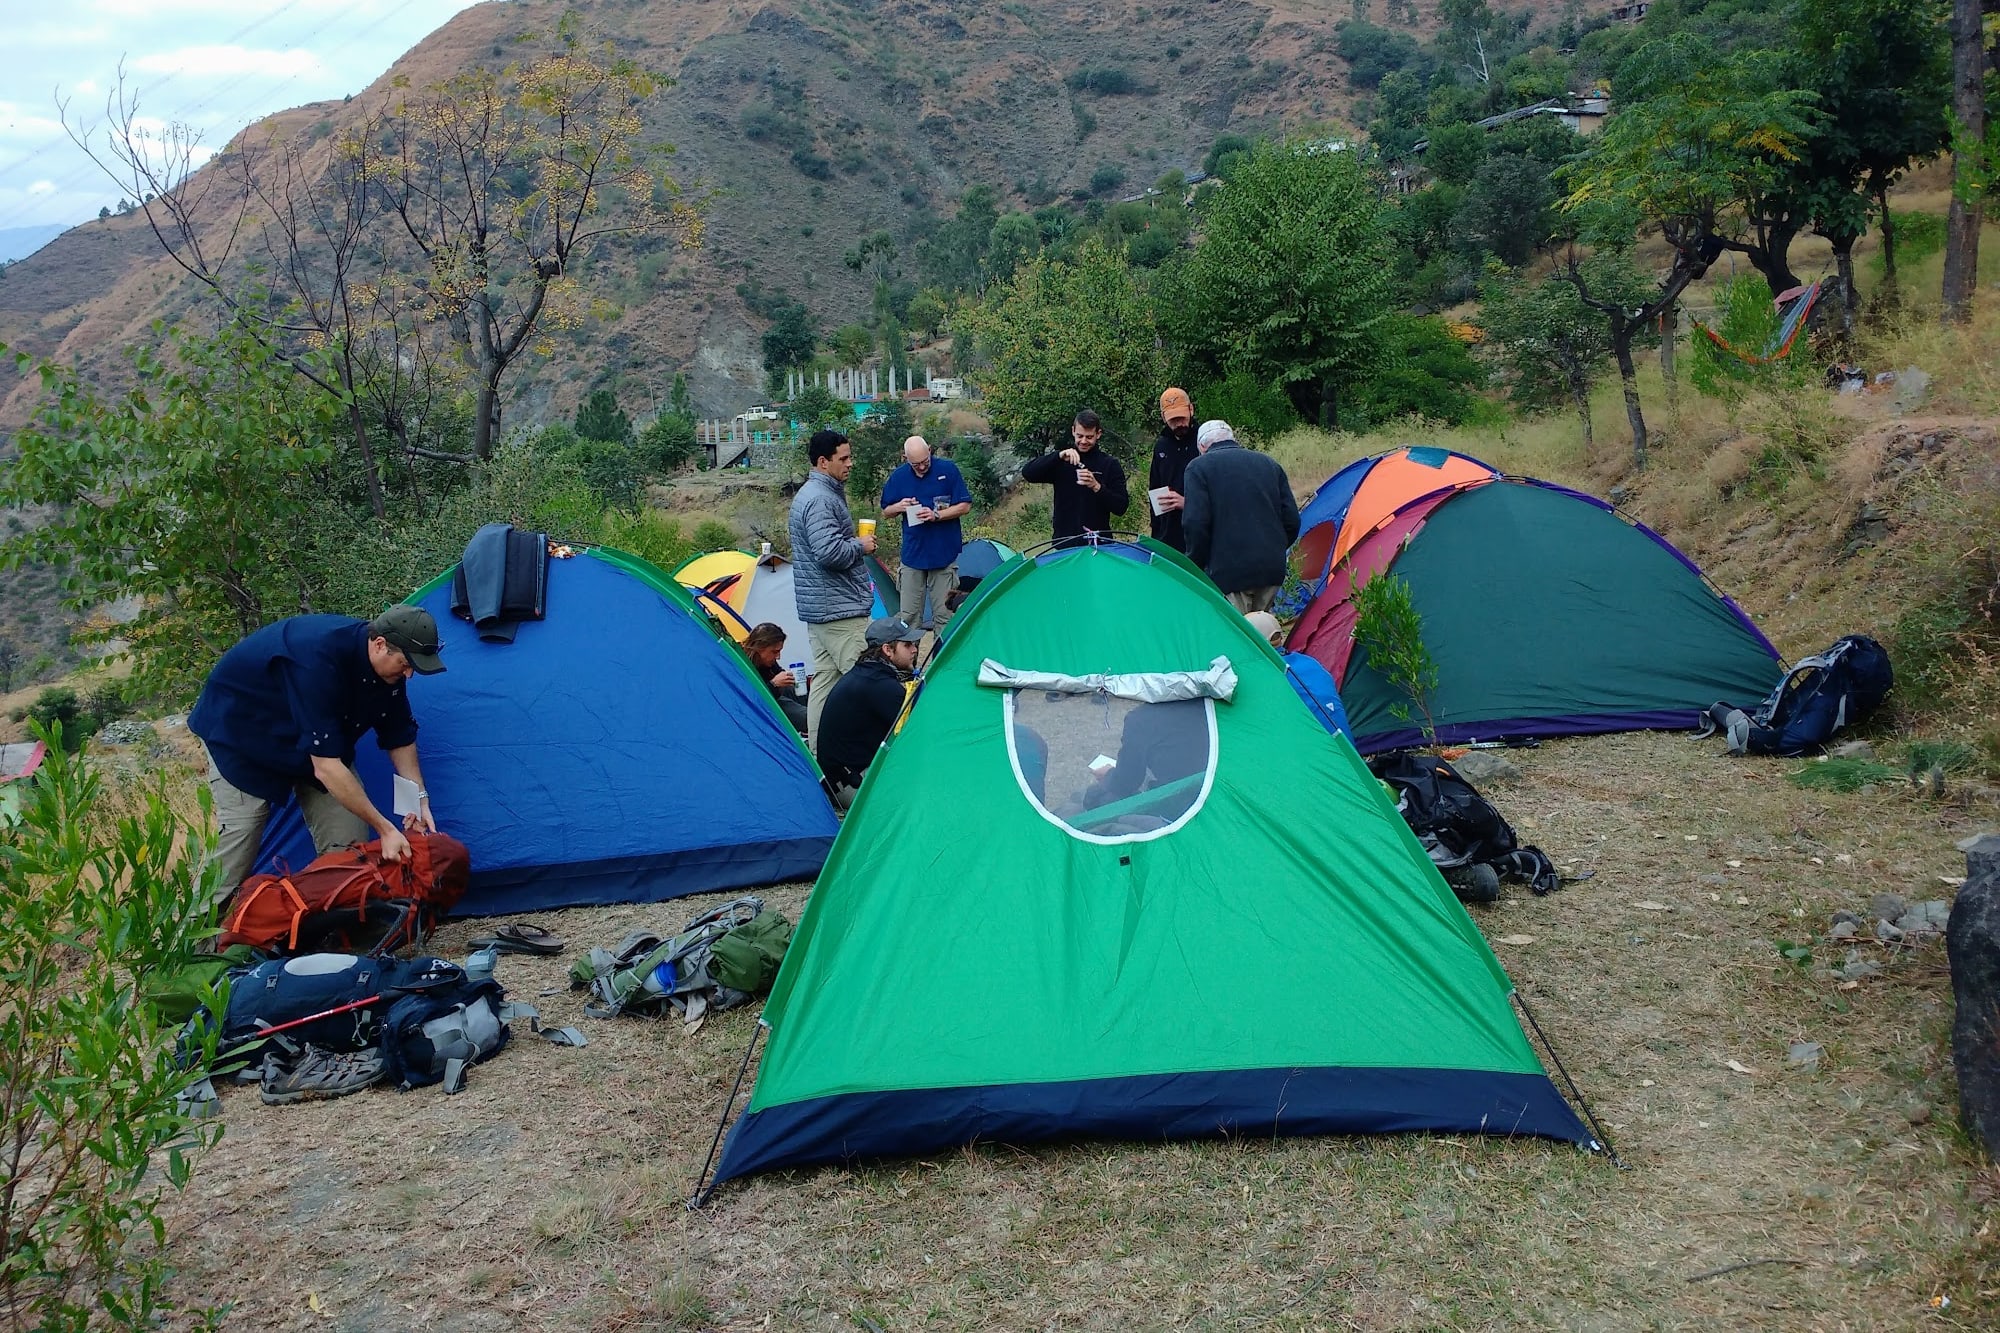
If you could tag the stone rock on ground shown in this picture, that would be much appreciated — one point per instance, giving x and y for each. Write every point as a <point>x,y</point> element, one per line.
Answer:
<point>126,731</point>
<point>1854,750</point>
<point>1477,766</point>
<point>1932,916</point>
<point>1888,906</point>
<point>1972,943</point>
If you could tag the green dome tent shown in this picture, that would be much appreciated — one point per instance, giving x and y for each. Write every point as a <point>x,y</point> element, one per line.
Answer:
<point>1124,929</point>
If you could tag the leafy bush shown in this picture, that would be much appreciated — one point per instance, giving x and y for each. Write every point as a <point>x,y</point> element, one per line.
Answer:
<point>1424,372</point>
<point>982,477</point>
<point>608,468</point>
<point>650,535</point>
<point>812,164</point>
<point>1104,80</point>
<point>1746,319</point>
<point>1389,627</point>
<point>1257,409</point>
<point>598,417</point>
<point>91,908</point>
<point>668,443</point>
<point>1372,52</point>
<point>57,705</point>
<point>553,439</point>
<point>714,535</point>
<point>1918,237</point>
<point>1108,176</point>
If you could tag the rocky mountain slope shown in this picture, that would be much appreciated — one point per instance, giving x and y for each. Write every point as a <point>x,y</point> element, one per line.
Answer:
<point>817,122</point>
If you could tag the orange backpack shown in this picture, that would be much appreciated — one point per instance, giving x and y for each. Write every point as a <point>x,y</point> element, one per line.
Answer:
<point>349,896</point>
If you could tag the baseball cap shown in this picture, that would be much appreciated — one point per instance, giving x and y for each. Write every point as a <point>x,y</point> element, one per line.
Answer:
<point>1265,624</point>
<point>411,629</point>
<point>892,629</point>
<point>1213,432</point>
<point>1174,406</point>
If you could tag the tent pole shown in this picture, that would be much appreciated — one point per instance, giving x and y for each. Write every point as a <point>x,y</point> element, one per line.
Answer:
<point>703,1191</point>
<point>1576,1094</point>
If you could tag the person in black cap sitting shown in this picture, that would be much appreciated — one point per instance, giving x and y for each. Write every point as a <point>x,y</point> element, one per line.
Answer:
<point>281,712</point>
<point>865,705</point>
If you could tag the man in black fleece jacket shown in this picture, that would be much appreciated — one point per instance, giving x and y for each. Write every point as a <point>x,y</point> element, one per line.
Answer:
<point>1241,518</point>
<point>1172,452</point>
<point>864,704</point>
<point>1089,483</point>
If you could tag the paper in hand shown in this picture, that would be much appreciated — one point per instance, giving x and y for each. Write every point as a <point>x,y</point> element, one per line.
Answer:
<point>1157,496</point>
<point>911,518</point>
<point>407,802</point>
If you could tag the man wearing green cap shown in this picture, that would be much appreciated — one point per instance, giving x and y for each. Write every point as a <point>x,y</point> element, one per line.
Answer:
<point>280,716</point>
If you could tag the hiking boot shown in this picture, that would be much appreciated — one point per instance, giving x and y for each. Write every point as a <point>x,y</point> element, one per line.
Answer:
<point>322,1074</point>
<point>1474,883</point>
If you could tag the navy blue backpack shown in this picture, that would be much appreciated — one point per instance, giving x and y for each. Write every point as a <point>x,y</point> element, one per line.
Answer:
<point>1818,697</point>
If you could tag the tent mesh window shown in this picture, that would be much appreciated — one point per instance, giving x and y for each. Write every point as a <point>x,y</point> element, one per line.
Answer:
<point>1109,769</point>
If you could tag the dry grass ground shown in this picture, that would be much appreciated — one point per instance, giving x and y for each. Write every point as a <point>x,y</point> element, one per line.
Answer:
<point>549,1194</point>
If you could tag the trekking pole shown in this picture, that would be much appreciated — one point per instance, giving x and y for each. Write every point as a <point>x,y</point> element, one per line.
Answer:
<point>335,1012</point>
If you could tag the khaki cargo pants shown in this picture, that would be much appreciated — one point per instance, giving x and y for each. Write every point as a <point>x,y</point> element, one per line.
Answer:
<point>240,819</point>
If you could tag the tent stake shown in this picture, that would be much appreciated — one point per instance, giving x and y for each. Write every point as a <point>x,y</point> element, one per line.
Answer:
<point>1576,1093</point>
<point>703,1191</point>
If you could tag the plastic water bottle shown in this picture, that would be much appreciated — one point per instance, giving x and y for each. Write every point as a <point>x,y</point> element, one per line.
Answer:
<point>798,670</point>
<point>663,979</point>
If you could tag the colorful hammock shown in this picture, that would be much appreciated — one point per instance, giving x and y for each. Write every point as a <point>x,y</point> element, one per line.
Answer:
<point>1797,305</point>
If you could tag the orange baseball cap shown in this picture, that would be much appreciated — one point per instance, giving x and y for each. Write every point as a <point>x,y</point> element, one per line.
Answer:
<point>1174,406</point>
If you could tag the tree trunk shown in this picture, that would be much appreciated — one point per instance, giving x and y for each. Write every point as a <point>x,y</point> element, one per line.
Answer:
<point>1968,104</point>
<point>1773,259</point>
<point>1850,300</point>
<point>1888,296</point>
<point>485,417</point>
<point>1621,348</point>
<point>1669,326</point>
<point>1580,394</point>
<point>367,450</point>
<point>1329,407</point>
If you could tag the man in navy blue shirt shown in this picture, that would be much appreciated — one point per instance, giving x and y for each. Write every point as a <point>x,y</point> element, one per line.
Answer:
<point>928,496</point>
<point>281,713</point>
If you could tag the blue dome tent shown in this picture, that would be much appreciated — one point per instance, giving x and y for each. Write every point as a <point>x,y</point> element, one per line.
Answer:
<point>617,751</point>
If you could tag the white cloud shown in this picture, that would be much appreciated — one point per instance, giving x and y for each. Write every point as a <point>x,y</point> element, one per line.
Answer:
<point>221,61</point>
<point>42,187</point>
<point>217,65</point>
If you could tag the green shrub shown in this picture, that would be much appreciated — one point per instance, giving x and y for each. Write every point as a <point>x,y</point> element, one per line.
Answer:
<point>1389,627</point>
<point>668,443</point>
<point>714,535</point>
<point>650,535</point>
<point>1104,80</point>
<point>608,468</point>
<point>1257,410</point>
<point>982,478</point>
<point>1424,372</point>
<point>58,709</point>
<point>1746,319</point>
<point>91,908</point>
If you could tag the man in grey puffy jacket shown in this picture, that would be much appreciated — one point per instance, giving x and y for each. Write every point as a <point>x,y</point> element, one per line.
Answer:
<point>829,571</point>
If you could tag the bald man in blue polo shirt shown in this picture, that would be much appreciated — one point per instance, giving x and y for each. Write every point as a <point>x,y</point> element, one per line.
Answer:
<point>280,715</point>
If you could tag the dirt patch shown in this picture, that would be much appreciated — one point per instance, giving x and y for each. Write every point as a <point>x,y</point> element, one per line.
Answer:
<point>549,1194</point>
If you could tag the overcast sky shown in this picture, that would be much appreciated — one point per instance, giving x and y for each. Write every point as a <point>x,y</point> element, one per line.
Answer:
<point>217,65</point>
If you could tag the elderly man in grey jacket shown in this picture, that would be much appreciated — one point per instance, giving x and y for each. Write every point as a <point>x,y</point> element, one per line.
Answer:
<point>829,571</point>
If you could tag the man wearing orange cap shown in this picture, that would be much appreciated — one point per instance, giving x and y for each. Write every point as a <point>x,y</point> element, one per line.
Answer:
<point>1172,452</point>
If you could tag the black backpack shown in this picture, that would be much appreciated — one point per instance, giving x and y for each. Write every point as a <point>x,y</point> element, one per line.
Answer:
<point>1817,698</point>
<point>1457,826</point>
